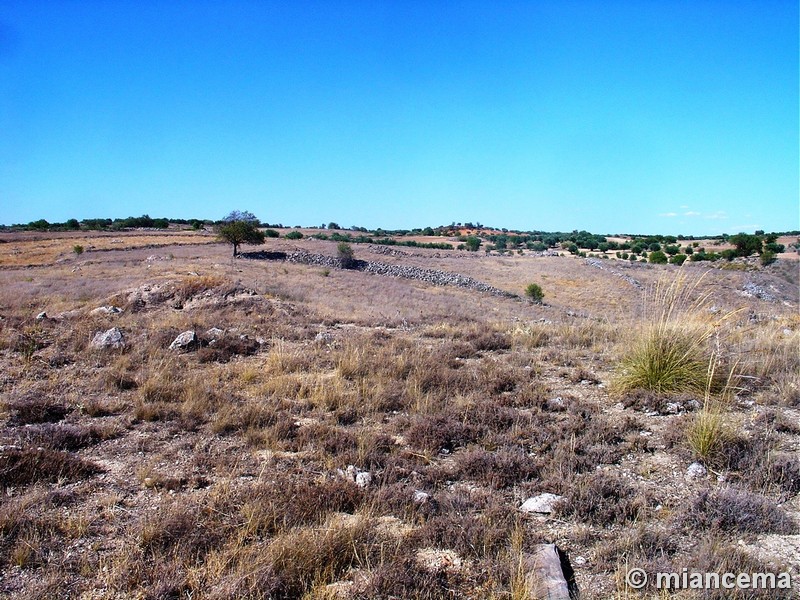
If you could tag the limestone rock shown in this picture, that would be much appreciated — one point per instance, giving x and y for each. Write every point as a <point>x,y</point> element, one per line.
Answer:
<point>696,471</point>
<point>543,503</point>
<point>111,338</point>
<point>184,341</point>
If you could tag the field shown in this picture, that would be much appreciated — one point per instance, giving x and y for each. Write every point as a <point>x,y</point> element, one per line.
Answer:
<point>333,433</point>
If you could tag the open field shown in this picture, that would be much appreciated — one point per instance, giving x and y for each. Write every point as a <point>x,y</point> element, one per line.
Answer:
<point>333,433</point>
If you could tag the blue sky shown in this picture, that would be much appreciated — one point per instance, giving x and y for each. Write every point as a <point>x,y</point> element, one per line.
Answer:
<point>647,116</point>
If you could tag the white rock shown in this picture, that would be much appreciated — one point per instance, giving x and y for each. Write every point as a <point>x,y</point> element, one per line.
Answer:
<point>696,471</point>
<point>420,497</point>
<point>214,332</point>
<point>543,503</point>
<point>111,338</point>
<point>41,316</point>
<point>184,341</point>
<point>364,479</point>
<point>105,310</point>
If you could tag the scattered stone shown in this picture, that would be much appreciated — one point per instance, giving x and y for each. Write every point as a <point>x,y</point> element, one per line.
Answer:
<point>580,561</point>
<point>549,573</point>
<point>421,497</point>
<point>324,337</point>
<point>696,471</point>
<point>105,310</point>
<point>214,332</point>
<point>434,559</point>
<point>543,503</point>
<point>111,338</point>
<point>41,316</point>
<point>364,479</point>
<point>184,341</point>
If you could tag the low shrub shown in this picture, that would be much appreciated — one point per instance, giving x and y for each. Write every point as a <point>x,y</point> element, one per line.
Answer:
<point>732,509</point>
<point>534,292</point>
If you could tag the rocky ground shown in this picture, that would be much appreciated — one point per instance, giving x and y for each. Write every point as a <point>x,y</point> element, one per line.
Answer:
<point>178,424</point>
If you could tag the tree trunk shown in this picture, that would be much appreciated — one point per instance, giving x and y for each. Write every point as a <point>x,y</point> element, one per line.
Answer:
<point>235,247</point>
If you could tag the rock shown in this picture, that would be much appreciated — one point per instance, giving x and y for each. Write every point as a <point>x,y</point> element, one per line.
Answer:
<point>105,310</point>
<point>41,316</point>
<point>543,503</point>
<point>420,497</point>
<point>362,479</point>
<point>184,341</point>
<point>111,338</point>
<point>549,573</point>
<point>696,471</point>
<point>324,337</point>
<point>214,332</point>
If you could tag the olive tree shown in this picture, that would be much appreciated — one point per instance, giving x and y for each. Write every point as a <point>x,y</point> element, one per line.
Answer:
<point>240,228</point>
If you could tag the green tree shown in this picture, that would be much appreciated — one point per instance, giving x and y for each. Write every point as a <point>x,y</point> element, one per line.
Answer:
<point>746,244</point>
<point>240,232</point>
<point>473,243</point>
<point>658,257</point>
<point>346,256</point>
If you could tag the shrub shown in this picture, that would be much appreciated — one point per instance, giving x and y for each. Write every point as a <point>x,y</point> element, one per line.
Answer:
<point>534,292</point>
<point>671,354</point>
<point>768,257</point>
<point>346,256</point>
<point>294,235</point>
<point>77,249</point>
<point>473,243</point>
<point>271,233</point>
<point>602,498</point>
<point>737,510</point>
<point>657,257</point>
<point>678,259</point>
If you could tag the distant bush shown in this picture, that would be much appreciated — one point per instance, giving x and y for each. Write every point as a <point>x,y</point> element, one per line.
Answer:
<point>768,257</point>
<point>77,249</point>
<point>345,252</point>
<point>473,243</point>
<point>657,257</point>
<point>294,235</point>
<point>678,259</point>
<point>271,233</point>
<point>534,292</point>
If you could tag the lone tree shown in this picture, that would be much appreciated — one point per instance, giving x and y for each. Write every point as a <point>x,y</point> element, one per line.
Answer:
<point>240,228</point>
<point>345,252</point>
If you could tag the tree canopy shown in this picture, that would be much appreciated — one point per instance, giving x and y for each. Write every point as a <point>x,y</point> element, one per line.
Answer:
<point>237,232</point>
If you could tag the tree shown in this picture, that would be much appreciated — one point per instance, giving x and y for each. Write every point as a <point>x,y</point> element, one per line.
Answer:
<point>658,257</point>
<point>241,215</point>
<point>473,243</point>
<point>240,232</point>
<point>746,244</point>
<point>345,252</point>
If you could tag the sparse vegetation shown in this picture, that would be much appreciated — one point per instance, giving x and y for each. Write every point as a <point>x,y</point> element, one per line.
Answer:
<point>534,292</point>
<point>363,436</point>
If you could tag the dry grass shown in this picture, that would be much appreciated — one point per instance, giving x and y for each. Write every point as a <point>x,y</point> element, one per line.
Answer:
<point>228,470</point>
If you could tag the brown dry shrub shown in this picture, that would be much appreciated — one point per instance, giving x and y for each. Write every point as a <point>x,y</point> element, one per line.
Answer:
<point>35,407</point>
<point>498,469</point>
<point>602,498</point>
<point>443,431</point>
<point>474,525</point>
<point>22,467</point>
<point>732,509</point>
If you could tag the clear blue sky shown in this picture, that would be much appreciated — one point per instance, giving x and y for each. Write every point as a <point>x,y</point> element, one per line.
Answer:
<point>649,116</point>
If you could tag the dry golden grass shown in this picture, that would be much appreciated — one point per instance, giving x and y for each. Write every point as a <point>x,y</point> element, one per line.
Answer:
<point>30,250</point>
<point>228,471</point>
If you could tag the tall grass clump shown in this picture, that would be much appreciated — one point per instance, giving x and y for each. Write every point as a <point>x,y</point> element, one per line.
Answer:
<point>672,350</point>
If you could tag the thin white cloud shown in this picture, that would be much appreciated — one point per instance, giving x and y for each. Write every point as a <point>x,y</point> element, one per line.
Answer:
<point>691,213</point>
<point>669,214</point>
